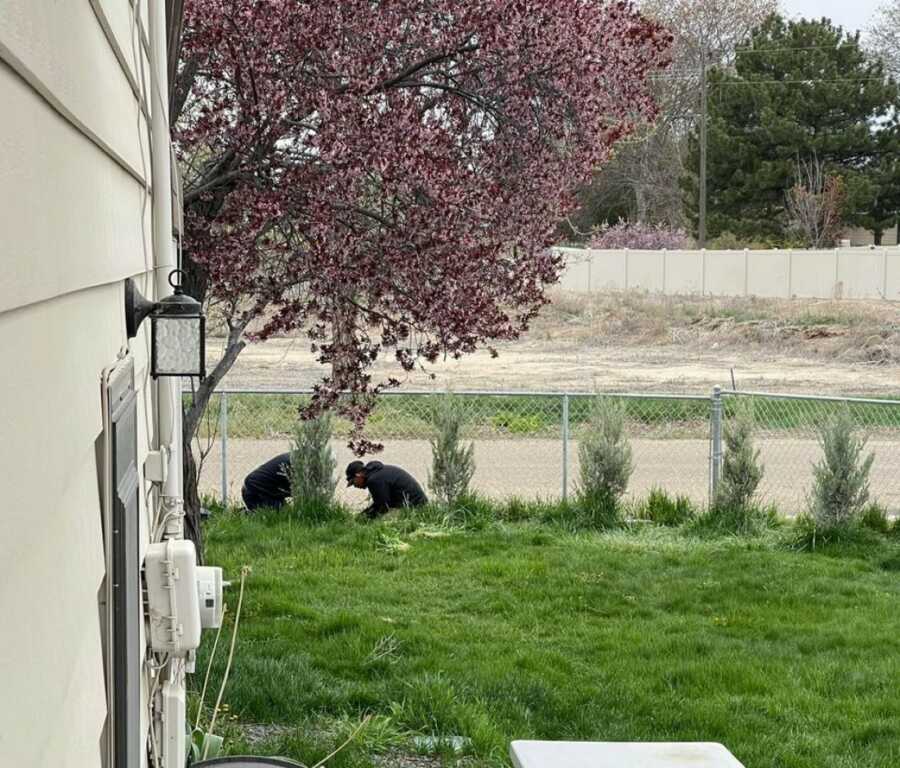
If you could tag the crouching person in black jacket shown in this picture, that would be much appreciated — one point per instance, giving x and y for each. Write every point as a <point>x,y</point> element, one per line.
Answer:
<point>269,485</point>
<point>390,487</point>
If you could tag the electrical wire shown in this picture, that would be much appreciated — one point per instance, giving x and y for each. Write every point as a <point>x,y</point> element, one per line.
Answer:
<point>237,618</point>
<point>806,81</point>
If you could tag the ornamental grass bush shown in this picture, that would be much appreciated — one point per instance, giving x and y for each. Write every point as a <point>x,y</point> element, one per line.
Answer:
<point>734,508</point>
<point>841,477</point>
<point>606,464</point>
<point>452,460</point>
<point>313,470</point>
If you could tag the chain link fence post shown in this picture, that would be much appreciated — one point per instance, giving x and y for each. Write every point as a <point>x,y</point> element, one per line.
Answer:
<point>223,430</point>
<point>715,454</point>
<point>565,447</point>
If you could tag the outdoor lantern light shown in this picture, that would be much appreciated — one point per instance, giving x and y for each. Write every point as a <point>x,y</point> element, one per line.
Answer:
<point>178,330</point>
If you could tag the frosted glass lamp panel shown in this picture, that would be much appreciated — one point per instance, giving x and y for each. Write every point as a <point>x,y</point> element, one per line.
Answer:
<point>178,346</point>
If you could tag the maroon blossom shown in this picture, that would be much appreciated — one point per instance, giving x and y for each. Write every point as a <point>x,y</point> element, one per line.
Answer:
<point>374,171</point>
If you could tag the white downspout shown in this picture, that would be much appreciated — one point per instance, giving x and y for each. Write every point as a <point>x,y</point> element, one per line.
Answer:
<point>168,406</point>
<point>171,697</point>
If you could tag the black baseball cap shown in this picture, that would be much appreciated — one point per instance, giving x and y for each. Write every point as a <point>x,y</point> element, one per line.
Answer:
<point>353,469</point>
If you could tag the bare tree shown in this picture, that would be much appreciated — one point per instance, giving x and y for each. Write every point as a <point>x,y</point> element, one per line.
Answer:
<point>815,203</point>
<point>646,169</point>
<point>883,36</point>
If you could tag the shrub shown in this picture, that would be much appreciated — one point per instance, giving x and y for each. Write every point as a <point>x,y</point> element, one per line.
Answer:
<point>741,469</point>
<point>662,509</point>
<point>726,241</point>
<point>606,463</point>
<point>638,235</point>
<point>841,478</point>
<point>452,463</point>
<point>733,509</point>
<point>312,467</point>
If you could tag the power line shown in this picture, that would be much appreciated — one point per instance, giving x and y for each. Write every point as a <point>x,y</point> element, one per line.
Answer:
<point>806,81</point>
<point>795,48</point>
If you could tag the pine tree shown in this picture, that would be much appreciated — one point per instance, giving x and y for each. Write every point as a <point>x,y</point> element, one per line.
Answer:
<point>798,90</point>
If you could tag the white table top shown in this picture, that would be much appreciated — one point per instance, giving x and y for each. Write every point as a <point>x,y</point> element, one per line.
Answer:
<point>604,754</point>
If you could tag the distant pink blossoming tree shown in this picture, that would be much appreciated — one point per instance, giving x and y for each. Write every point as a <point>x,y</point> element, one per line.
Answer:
<point>639,236</point>
<point>372,171</point>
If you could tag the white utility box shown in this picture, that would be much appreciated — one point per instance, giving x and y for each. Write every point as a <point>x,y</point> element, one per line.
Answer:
<point>608,754</point>
<point>170,569</point>
<point>174,737</point>
<point>209,593</point>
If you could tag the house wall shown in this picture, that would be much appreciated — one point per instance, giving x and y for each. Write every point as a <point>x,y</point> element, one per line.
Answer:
<point>75,218</point>
<point>840,273</point>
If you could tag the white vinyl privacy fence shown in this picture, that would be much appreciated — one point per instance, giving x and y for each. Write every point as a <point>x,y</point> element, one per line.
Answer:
<point>840,273</point>
<point>526,443</point>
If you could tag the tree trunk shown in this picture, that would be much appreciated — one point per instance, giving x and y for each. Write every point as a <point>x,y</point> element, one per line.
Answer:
<point>193,416</point>
<point>640,202</point>
<point>192,529</point>
<point>343,368</point>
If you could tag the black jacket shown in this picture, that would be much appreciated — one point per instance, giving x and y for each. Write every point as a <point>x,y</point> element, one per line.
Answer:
<point>391,488</point>
<point>269,485</point>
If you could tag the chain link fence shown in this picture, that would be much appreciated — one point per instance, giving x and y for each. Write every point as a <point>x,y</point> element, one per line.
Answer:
<point>787,430</point>
<point>526,443</point>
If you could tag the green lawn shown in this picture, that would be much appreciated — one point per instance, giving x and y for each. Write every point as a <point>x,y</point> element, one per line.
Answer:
<point>528,631</point>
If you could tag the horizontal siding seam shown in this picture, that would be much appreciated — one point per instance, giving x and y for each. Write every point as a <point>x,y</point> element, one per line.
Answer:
<point>34,82</point>
<point>90,286</point>
<point>120,55</point>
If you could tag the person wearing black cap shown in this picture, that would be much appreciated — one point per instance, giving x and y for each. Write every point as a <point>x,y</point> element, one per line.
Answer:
<point>390,487</point>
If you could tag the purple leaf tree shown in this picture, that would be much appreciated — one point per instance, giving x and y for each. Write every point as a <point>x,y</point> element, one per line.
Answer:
<point>370,172</point>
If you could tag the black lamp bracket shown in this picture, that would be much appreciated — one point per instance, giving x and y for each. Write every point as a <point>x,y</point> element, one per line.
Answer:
<point>136,308</point>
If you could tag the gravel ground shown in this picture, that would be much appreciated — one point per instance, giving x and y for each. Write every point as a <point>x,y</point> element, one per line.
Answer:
<point>533,468</point>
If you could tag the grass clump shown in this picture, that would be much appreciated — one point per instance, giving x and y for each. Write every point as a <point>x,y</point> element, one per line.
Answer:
<point>662,509</point>
<point>606,464</point>
<point>312,470</point>
<point>875,518</point>
<point>470,512</point>
<point>452,463</point>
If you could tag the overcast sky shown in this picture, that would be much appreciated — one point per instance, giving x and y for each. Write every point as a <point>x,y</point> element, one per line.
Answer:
<point>850,14</point>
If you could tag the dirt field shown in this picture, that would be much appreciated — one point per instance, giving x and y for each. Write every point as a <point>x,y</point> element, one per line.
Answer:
<point>642,344</point>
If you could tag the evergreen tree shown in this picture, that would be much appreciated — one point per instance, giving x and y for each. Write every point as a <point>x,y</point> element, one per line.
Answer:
<point>798,90</point>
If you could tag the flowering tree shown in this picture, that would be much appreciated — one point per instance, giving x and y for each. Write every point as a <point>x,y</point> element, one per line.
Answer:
<point>373,172</point>
<point>636,234</point>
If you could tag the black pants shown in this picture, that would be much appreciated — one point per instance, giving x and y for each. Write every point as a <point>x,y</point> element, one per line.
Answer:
<point>255,499</point>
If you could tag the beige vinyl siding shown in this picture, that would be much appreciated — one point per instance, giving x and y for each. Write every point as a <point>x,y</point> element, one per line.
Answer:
<point>53,705</point>
<point>75,220</point>
<point>70,216</point>
<point>65,48</point>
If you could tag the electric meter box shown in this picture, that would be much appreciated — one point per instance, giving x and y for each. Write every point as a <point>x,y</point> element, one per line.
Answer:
<point>209,591</point>
<point>170,569</point>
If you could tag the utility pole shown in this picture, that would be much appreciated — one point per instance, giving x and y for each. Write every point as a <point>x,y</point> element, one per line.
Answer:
<point>701,235</point>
